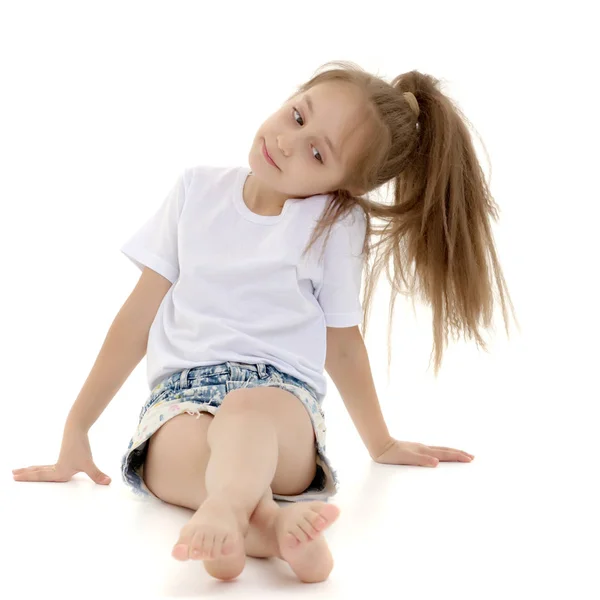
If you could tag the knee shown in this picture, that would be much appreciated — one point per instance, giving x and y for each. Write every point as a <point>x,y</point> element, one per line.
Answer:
<point>245,410</point>
<point>236,401</point>
<point>248,403</point>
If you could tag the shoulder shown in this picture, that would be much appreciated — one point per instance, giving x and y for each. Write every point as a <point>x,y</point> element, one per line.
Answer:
<point>355,217</point>
<point>347,236</point>
<point>213,173</point>
<point>354,225</point>
<point>200,180</point>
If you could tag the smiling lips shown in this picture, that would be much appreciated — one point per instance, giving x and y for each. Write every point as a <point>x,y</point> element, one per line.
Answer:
<point>267,156</point>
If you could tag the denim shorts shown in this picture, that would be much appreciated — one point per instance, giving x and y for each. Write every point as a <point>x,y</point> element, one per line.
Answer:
<point>202,389</point>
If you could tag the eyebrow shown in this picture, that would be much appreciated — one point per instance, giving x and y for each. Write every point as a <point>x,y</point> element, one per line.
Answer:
<point>327,140</point>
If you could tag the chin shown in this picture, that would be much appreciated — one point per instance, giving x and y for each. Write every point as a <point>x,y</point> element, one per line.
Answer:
<point>256,161</point>
<point>260,169</point>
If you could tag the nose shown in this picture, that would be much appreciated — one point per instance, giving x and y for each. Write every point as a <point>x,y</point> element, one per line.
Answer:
<point>283,146</point>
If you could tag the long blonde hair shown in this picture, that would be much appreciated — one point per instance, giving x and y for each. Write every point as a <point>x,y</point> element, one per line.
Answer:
<point>439,223</point>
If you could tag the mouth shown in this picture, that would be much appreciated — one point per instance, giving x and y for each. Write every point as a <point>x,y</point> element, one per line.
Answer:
<point>267,155</point>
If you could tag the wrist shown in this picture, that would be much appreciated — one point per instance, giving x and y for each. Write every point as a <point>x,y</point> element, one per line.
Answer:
<point>382,446</point>
<point>74,424</point>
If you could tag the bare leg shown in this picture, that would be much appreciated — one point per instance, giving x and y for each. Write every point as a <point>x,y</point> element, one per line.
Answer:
<point>261,539</point>
<point>175,468</point>
<point>259,437</point>
<point>174,471</point>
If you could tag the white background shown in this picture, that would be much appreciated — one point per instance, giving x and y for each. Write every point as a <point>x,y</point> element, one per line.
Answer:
<point>104,104</point>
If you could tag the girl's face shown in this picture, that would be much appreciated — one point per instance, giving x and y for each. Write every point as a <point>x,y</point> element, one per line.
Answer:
<point>311,139</point>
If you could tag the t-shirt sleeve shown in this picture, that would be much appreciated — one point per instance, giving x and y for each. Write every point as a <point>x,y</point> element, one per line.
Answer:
<point>155,244</point>
<point>339,291</point>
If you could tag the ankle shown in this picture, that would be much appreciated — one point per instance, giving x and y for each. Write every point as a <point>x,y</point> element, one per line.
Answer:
<point>242,509</point>
<point>265,513</point>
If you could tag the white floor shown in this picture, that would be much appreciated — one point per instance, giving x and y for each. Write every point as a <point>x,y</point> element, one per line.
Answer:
<point>91,158</point>
<point>520,521</point>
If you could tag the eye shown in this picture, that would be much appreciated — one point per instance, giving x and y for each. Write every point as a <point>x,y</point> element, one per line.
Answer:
<point>295,110</point>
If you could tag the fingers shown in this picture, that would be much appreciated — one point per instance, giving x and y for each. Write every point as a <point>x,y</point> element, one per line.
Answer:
<point>40,473</point>
<point>449,454</point>
<point>425,460</point>
<point>55,473</point>
<point>32,468</point>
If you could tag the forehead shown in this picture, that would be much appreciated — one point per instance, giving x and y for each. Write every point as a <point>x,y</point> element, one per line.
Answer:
<point>337,96</point>
<point>339,110</point>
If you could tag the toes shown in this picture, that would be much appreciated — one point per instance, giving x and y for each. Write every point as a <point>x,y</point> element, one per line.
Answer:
<point>181,550</point>
<point>322,516</point>
<point>207,546</point>
<point>317,522</point>
<point>197,545</point>
<point>231,543</point>
<point>217,549</point>
<point>304,525</point>
<point>299,533</point>
<point>210,546</point>
<point>297,526</point>
<point>325,516</point>
<point>204,545</point>
<point>228,546</point>
<point>308,529</point>
<point>330,512</point>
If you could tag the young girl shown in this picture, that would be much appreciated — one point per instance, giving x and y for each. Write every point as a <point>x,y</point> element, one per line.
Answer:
<point>242,304</point>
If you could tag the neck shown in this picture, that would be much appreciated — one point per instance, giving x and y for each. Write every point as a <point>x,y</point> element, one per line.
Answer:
<point>261,199</point>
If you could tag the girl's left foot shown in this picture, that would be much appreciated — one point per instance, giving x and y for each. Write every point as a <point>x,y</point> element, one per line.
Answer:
<point>298,530</point>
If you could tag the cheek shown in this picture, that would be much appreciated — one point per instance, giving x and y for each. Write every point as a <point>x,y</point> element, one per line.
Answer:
<point>272,127</point>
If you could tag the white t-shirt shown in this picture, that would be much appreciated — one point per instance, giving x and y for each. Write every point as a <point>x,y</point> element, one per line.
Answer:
<point>241,290</point>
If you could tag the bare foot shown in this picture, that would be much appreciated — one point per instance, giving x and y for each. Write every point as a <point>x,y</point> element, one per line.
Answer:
<point>214,535</point>
<point>298,529</point>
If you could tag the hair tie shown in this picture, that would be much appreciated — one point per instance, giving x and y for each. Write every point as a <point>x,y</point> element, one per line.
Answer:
<point>412,102</point>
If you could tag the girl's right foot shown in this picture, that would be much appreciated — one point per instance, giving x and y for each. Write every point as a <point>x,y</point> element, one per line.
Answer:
<point>214,535</point>
<point>298,530</point>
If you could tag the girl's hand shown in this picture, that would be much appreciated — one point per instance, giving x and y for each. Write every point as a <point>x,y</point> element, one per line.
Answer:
<point>75,456</point>
<point>412,453</point>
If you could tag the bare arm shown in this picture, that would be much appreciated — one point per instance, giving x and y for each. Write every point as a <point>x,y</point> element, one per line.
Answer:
<point>123,348</point>
<point>347,363</point>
